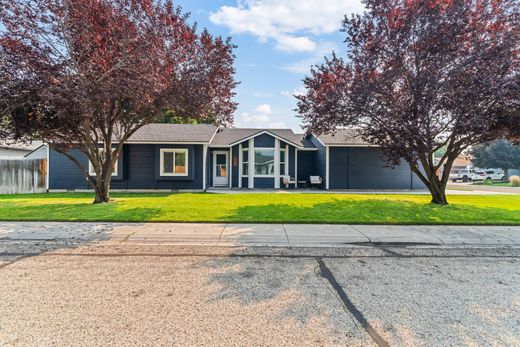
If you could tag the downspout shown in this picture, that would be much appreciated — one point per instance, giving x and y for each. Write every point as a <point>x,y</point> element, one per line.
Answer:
<point>251,165</point>
<point>296,166</point>
<point>240,166</point>
<point>277,163</point>
<point>230,171</point>
<point>48,167</point>
<point>327,168</point>
<point>204,168</point>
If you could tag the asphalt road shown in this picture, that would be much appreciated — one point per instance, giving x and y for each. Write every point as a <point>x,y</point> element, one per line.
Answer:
<point>162,295</point>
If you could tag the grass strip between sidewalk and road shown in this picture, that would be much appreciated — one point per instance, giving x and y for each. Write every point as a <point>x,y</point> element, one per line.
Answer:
<point>264,208</point>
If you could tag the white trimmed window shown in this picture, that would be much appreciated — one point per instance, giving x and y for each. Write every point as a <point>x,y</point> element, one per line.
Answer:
<point>91,170</point>
<point>264,162</point>
<point>174,162</point>
<point>282,161</point>
<point>245,162</point>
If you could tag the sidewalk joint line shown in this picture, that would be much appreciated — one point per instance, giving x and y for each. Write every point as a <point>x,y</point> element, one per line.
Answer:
<point>221,232</point>
<point>286,236</point>
<point>414,227</point>
<point>359,231</point>
<point>128,236</point>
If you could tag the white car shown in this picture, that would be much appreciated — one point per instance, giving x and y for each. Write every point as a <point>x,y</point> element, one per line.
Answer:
<point>489,174</point>
<point>463,175</point>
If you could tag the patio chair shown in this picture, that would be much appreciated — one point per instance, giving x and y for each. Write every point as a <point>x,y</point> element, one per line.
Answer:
<point>315,181</point>
<point>288,180</point>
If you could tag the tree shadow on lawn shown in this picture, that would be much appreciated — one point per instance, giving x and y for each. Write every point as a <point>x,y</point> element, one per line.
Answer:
<point>76,212</point>
<point>374,211</point>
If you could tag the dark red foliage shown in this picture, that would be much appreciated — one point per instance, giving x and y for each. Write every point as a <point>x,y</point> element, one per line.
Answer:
<point>421,75</point>
<point>78,73</point>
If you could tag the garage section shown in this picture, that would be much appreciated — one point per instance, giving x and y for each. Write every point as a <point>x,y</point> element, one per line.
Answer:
<point>363,168</point>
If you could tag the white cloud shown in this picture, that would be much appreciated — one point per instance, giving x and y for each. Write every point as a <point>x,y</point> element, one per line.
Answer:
<point>323,49</point>
<point>294,44</point>
<point>264,108</point>
<point>263,94</point>
<point>290,23</point>
<point>260,117</point>
<point>298,91</point>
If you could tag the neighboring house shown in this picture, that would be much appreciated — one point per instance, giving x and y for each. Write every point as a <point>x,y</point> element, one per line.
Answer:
<point>198,157</point>
<point>39,152</point>
<point>18,150</point>
<point>462,162</point>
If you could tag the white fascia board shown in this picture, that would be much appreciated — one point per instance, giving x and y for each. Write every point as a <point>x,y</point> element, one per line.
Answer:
<point>353,145</point>
<point>214,134</point>
<point>319,140</point>
<point>162,143</point>
<point>265,132</point>
<point>307,149</point>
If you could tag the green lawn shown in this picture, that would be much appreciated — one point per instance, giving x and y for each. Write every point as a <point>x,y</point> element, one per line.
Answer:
<point>290,208</point>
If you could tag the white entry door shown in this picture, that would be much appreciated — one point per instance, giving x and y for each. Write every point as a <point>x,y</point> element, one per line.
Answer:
<point>220,169</point>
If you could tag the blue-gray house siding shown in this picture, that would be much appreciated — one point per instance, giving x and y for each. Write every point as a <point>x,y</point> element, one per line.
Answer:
<point>363,168</point>
<point>321,159</point>
<point>138,168</point>
<point>307,165</point>
<point>234,166</point>
<point>264,140</point>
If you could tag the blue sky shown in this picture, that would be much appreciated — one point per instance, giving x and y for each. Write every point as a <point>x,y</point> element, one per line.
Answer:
<point>278,41</point>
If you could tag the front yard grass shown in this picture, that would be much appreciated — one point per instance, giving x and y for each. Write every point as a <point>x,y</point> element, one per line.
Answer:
<point>263,208</point>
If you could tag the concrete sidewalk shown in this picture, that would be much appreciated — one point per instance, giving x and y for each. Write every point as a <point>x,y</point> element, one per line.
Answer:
<point>281,235</point>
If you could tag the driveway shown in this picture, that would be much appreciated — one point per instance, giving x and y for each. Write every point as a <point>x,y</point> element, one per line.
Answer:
<point>93,288</point>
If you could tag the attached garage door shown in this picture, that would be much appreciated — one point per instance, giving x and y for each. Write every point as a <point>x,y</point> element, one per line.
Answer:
<point>363,168</point>
<point>338,164</point>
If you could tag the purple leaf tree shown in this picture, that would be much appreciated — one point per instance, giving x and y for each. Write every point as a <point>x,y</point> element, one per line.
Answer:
<point>421,75</point>
<point>88,74</point>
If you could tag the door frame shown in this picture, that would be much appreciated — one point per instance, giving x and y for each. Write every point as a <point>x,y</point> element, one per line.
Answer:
<point>214,168</point>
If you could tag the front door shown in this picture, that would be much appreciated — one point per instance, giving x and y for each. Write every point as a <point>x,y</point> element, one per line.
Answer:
<point>220,169</point>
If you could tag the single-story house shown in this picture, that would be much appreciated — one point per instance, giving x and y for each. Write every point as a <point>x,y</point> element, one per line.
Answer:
<point>200,157</point>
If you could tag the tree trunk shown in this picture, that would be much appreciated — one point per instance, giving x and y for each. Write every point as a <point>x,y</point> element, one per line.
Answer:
<point>438,193</point>
<point>506,174</point>
<point>437,187</point>
<point>102,191</point>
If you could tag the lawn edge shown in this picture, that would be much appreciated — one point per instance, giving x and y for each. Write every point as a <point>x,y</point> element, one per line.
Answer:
<point>249,222</point>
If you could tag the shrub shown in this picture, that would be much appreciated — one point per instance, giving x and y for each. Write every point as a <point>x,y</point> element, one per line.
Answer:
<point>515,181</point>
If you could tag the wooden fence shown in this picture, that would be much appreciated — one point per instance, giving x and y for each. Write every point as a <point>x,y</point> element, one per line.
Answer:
<point>18,176</point>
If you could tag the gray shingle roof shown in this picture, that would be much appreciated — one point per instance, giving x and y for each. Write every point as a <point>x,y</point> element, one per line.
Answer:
<point>25,146</point>
<point>342,137</point>
<point>228,136</point>
<point>161,133</point>
<point>203,133</point>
